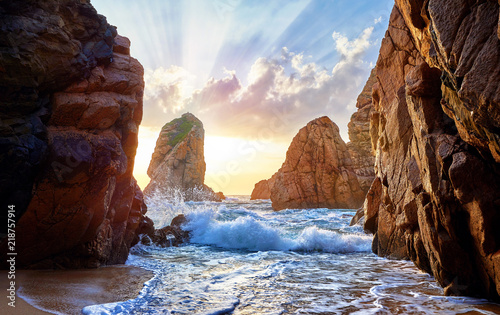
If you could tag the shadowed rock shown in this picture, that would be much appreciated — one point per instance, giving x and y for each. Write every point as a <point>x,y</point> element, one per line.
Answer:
<point>71,105</point>
<point>360,148</point>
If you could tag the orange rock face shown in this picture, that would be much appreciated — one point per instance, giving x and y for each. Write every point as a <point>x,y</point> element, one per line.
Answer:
<point>262,189</point>
<point>85,206</point>
<point>178,163</point>
<point>317,171</point>
<point>435,199</point>
<point>359,147</point>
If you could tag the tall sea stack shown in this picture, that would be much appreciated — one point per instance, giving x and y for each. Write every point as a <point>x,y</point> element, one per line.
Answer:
<point>317,171</point>
<point>357,156</point>
<point>178,163</point>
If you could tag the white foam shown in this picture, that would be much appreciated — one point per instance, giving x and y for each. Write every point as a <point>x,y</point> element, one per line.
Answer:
<point>252,234</point>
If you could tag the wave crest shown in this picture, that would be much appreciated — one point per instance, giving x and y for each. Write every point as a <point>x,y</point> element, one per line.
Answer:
<point>251,234</point>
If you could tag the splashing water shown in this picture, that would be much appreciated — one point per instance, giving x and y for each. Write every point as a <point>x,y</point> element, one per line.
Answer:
<point>244,258</point>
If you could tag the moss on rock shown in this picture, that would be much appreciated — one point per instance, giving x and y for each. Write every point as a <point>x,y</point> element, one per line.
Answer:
<point>183,126</point>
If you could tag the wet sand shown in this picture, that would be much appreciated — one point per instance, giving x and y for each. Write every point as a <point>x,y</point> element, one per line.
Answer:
<point>68,291</point>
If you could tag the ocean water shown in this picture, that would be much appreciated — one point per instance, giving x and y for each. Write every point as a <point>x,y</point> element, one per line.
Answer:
<point>244,258</point>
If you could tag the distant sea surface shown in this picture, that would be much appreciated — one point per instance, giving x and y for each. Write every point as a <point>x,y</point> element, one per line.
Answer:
<point>244,258</point>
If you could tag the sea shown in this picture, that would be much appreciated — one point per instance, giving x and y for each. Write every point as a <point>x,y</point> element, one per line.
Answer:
<point>245,258</point>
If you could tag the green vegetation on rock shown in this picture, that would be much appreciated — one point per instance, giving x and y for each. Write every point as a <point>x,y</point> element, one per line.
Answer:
<point>182,127</point>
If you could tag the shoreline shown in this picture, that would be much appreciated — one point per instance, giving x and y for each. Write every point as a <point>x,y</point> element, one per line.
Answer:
<point>69,291</point>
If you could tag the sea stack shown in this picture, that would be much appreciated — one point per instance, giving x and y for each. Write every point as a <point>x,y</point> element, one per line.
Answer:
<point>436,133</point>
<point>71,107</point>
<point>359,149</point>
<point>178,163</point>
<point>360,146</point>
<point>317,172</point>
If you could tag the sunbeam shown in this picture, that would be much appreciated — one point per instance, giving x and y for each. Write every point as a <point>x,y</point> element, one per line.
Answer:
<point>248,70</point>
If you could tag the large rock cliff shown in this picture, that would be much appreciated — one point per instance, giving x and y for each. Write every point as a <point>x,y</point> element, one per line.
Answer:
<point>317,171</point>
<point>435,130</point>
<point>71,105</point>
<point>178,162</point>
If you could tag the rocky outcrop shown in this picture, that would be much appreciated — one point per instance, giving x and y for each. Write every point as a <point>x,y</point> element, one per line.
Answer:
<point>435,130</point>
<point>359,147</point>
<point>170,235</point>
<point>71,105</point>
<point>317,171</point>
<point>262,189</point>
<point>178,163</point>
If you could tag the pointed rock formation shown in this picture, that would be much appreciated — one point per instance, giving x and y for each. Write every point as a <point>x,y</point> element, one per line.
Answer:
<point>178,162</point>
<point>317,171</point>
<point>359,148</point>
<point>71,106</point>
<point>435,130</point>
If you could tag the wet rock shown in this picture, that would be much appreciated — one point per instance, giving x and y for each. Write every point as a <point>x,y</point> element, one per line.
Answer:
<point>357,218</point>
<point>173,234</point>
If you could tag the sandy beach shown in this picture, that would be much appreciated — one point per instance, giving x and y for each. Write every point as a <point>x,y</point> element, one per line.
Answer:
<point>68,291</point>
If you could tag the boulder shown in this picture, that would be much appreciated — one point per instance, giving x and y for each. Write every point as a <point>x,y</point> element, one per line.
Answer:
<point>173,234</point>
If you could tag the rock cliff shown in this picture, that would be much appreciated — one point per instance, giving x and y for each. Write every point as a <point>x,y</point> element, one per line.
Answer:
<point>360,148</point>
<point>317,171</point>
<point>71,104</point>
<point>435,130</point>
<point>178,163</point>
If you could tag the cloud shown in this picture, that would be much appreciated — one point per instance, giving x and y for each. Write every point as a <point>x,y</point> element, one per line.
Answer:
<point>281,96</point>
<point>279,103</point>
<point>165,93</point>
<point>216,92</point>
<point>351,51</point>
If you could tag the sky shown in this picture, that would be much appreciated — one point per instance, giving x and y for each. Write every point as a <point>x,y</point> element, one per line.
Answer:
<point>254,72</point>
